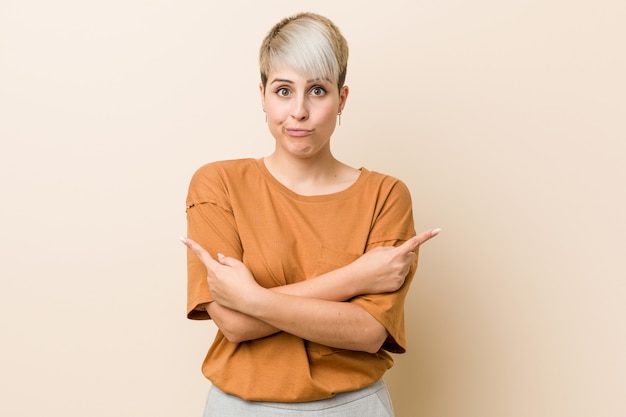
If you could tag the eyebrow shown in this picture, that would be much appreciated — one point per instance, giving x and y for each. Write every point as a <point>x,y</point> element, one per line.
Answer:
<point>282,80</point>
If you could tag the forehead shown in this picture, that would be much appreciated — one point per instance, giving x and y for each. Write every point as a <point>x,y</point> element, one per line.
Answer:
<point>288,74</point>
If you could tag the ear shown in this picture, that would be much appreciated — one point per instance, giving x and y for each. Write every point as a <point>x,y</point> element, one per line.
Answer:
<point>343,97</point>
<point>262,91</point>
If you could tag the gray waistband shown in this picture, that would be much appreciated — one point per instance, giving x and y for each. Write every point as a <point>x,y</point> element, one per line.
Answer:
<point>337,400</point>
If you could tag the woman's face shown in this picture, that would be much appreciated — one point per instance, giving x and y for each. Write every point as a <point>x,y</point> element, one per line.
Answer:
<point>301,112</point>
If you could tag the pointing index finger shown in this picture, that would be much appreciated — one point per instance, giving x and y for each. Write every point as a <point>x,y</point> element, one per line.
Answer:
<point>413,243</point>
<point>200,252</point>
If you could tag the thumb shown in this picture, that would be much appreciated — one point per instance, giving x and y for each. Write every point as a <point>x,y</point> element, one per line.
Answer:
<point>226,260</point>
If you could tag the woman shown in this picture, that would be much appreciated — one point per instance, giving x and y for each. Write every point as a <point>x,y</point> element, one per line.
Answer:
<point>313,258</point>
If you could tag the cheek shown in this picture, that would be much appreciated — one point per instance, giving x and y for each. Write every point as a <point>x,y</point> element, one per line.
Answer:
<point>325,109</point>
<point>328,113</point>
<point>275,109</point>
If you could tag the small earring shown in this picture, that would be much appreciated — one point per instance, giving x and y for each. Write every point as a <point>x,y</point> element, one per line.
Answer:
<point>339,114</point>
<point>265,115</point>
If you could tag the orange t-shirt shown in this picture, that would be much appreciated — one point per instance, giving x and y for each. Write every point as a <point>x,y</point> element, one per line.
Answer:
<point>239,209</point>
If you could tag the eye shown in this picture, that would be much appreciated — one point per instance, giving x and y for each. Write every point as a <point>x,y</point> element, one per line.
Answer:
<point>318,91</point>
<point>282,92</point>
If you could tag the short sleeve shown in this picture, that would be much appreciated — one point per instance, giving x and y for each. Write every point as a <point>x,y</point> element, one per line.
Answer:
<point>210,222</point>
<point>388,309</point>
<point>393,226</point>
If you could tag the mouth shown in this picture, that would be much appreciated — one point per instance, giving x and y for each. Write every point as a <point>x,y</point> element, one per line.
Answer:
<point>298,132</point>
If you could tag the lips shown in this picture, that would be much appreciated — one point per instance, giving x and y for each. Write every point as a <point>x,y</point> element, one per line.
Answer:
<point>298,132</point>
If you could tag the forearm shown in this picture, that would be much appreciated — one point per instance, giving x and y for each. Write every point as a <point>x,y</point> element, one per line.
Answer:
<point>238,327</point>
<point>380,270</point>
<point>337,285</point>
<point>336,324</point>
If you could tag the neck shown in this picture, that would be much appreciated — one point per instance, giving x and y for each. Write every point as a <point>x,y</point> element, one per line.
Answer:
<point>316,169</point>
<point>311,176</point>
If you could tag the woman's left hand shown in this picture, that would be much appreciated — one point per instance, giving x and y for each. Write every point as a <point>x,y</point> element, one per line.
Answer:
<point>230,281</point>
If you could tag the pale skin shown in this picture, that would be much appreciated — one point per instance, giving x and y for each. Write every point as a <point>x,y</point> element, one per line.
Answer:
<point>312,309</point>
<point>301,115</point>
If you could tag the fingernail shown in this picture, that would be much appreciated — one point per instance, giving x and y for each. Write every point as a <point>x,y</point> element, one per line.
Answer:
<point>436,231</point>
<point>183,239</point>
<point>220,256</point>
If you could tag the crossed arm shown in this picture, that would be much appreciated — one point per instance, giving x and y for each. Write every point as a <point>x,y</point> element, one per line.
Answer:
<point>311,309</point>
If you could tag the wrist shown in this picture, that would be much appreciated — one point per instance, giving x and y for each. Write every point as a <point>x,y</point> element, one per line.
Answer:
<point>352,275</point>
<point>255,302</point>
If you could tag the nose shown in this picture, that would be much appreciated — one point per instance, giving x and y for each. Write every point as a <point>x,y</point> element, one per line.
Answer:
<point>300,109</point>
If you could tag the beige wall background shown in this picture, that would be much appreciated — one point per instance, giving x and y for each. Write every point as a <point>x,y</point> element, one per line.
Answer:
<point>506,120</point>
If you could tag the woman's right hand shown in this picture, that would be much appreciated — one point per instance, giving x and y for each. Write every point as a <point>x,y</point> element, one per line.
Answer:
<point>385,268</point>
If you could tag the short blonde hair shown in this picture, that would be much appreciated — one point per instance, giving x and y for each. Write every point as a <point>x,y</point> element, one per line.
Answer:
<point>308,43</point>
